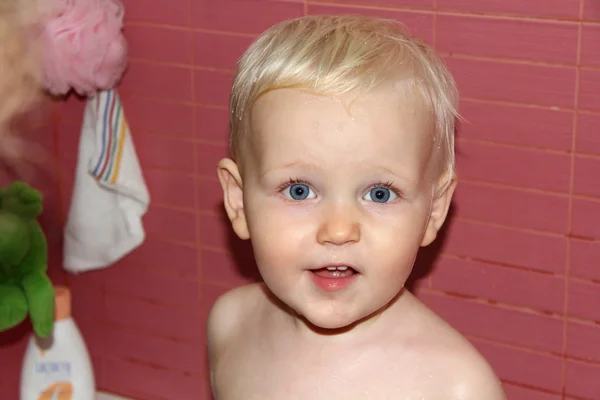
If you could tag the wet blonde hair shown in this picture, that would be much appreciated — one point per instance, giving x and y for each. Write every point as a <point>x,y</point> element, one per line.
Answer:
<point>335,55</point>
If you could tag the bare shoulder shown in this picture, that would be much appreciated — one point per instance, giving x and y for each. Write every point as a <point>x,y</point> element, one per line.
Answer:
<point>470,376</point>
<point>228,314</point>
<point>459,368</point>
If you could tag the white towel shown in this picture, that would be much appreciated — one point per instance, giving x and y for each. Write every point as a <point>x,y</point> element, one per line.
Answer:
<point>110,195</point>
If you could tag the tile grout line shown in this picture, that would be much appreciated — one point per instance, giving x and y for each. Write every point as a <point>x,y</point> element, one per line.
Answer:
<point>539,18</point>
<point>174,101</point>
<point>153,60</point>
<point>571,193</point>
<point>195,150</point>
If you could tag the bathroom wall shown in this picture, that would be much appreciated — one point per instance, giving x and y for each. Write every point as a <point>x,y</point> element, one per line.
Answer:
<point>43,175</point>
<point>517,269</point>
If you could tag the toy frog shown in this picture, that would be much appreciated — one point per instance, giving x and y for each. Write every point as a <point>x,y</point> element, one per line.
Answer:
<point>25,287</point>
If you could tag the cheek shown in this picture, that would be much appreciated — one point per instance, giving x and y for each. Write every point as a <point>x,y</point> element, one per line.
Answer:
<point>403,223</point>
<point>277,233</point>
<point>396,238</point>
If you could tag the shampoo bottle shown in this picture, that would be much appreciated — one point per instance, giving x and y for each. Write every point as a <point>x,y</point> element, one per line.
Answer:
<point>58,367</point>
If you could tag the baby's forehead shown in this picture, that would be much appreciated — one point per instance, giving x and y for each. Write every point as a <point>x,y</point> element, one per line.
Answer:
<point>289,122</point>
<point>400,96</point>
<point>288,111</point>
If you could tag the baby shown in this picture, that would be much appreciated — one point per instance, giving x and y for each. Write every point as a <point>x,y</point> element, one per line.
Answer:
<point>342,168</point>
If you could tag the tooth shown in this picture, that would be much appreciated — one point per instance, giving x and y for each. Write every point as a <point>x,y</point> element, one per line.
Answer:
<point>331,268</point>
<point>342,268</point>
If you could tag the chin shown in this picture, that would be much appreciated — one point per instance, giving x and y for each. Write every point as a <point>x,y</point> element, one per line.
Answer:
<point>319,317</point>
<point>332,322</point>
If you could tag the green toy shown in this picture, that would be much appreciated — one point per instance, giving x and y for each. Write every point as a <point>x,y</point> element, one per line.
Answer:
<point>24,285</point>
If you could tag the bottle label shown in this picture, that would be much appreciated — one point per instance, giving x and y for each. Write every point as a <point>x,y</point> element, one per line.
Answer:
<point>58,391</point>
<point>56,376</point>
<point>52,370</point>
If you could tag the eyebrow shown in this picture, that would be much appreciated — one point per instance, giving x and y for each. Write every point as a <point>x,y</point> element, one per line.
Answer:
<point>388,171</point>
<point>295,164</point>
<point>313,167</point>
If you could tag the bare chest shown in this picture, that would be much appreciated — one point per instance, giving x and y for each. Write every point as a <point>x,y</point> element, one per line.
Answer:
<point>271,371</point>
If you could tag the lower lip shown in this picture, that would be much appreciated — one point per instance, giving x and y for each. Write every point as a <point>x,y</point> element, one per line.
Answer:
<point>333,284</point>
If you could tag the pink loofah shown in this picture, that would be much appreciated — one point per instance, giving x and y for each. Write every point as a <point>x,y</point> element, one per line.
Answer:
<point>83,47</point>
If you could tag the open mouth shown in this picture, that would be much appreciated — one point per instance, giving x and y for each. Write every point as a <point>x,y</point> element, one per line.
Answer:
<point>334,278</point>
<point>335,272</point>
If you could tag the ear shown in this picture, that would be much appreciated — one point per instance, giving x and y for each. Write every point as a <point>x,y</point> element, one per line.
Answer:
<point>233,196</point>
<point>439,208</point>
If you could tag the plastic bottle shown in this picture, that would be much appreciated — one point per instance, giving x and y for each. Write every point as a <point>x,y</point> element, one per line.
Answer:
<point>58,367</point>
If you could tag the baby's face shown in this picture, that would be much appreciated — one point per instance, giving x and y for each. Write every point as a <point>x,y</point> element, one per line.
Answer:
<point>337,198</point>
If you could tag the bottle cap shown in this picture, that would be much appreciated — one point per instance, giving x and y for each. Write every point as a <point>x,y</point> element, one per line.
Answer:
<point>63,303</point>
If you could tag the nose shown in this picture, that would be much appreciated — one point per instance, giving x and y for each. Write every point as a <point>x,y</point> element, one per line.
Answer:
<point>339,226</point>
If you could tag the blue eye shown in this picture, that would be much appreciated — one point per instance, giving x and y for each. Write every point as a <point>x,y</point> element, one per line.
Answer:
<point>380,195</point>
<point>299,191</point>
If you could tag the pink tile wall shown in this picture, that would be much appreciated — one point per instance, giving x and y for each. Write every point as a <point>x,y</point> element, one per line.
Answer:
<point>519,270</point>
<point>46,179</point>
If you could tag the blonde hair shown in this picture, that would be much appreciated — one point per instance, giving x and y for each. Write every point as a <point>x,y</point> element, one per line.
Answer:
<point>334,55</point>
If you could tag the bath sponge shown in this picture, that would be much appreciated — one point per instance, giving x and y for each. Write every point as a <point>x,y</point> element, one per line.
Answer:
<point>82,45</point>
